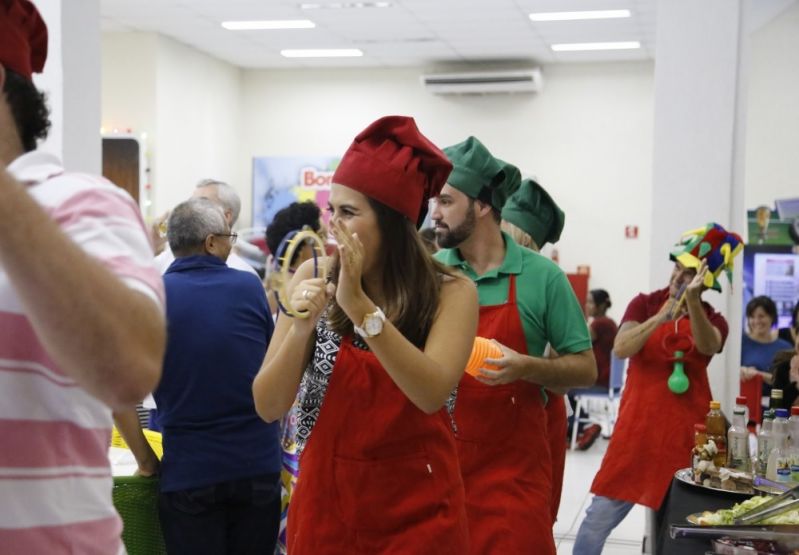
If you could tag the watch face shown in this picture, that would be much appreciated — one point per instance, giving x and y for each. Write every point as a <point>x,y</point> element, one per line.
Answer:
<point>373,325</point>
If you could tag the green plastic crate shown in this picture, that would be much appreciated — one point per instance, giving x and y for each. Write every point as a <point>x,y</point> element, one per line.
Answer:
<point>136,501</point>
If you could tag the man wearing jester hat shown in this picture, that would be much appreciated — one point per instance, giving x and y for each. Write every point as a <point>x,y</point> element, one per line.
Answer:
<point>660,407</point>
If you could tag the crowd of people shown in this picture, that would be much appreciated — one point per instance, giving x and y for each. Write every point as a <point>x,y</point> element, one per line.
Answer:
<point>400,450</point>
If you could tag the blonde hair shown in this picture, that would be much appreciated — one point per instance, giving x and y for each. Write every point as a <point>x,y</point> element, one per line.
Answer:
<point>522,238</point>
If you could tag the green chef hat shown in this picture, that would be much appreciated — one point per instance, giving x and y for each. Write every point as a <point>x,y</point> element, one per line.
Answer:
<point>478,174</point>
<point>532,210</point>
<point>510,184</point>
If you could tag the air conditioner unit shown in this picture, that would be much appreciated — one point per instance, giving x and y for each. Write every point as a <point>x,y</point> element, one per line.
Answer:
<point>484,82</point>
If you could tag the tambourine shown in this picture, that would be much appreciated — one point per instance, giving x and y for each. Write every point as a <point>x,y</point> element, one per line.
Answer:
<point>280,278</point>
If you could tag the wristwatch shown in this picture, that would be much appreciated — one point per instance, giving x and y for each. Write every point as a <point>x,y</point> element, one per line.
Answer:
<point>372,324</point>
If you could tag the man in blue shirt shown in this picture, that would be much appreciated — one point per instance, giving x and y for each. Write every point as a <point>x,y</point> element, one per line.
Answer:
<point>220,489</point>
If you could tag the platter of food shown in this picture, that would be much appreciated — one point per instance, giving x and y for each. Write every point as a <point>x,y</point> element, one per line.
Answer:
<point>723,480</point>
<point>726,517</point>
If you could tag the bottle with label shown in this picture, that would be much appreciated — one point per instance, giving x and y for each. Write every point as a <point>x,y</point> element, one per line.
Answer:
<point>793,427</point>
<point>765,442</point>
<point>779,466</point>
<point>700,438</point>
<point>717,431</point>
<point>740,401</point>
<point>738,457</point>
<point>775,402</point>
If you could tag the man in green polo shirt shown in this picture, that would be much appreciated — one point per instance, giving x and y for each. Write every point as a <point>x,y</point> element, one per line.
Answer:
<point>526,302</point>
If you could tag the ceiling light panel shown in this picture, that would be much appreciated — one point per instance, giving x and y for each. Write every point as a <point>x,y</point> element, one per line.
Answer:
<point>321,53</point>
<point>268,24</point>
<point>614,30</point>
<point>586,46</point>
<point>344,5</point>
<point>578,16</point>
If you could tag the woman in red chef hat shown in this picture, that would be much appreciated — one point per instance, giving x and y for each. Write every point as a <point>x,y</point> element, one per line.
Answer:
<point>386,341</point>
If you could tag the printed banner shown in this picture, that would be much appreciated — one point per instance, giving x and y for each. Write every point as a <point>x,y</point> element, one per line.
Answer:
<point>277,181</point>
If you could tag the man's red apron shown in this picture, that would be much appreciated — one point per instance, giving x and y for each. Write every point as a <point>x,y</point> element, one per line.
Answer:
<point>378,474</point>
<point>653,436</point>
<point>504,450</point>
<point>557,429</point>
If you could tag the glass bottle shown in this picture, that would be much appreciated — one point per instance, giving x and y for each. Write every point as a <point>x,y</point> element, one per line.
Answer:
<point>738,457</point>
<point>775,402</point>
<point>717,431</point>
<point>779,467</point>
<point>765,442</point>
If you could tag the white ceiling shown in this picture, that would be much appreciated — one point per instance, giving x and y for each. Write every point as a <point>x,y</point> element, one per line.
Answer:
<point>408,33</point>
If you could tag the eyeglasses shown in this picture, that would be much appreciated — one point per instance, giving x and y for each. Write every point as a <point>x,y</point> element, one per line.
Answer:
<point>233,236</point>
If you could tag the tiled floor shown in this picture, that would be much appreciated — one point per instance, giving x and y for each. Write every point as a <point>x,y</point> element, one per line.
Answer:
<point>581,466</point>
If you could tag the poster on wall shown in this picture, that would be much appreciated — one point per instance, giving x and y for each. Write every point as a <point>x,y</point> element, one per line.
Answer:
<point>277,181</point>
<point>774,226</point>
<point>771,257</point>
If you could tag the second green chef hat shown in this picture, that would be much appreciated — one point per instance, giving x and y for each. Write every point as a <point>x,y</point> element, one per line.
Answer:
<point>532,210</point>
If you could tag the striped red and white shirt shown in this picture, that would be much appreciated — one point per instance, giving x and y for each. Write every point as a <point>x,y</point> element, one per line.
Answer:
<point>55,476</point>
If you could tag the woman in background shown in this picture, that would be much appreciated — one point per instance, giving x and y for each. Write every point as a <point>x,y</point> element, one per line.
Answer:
<point>603,332</point>
<point>760,343</point>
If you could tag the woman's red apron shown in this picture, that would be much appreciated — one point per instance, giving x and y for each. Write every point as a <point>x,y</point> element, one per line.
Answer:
<point>504,450</point>
<point>557,429</point>
<point>653,436</point>
<point>378,474</point>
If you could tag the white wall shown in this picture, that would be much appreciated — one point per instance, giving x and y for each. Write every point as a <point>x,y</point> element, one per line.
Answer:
<point>587,137</point>
<point>185,101</point>
<point>72,83</point>
<point>197,122</point>
<point>129,79</point>
<point>772,155</point>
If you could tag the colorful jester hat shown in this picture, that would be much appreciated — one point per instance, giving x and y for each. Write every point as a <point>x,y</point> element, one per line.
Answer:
<point>713,244</point>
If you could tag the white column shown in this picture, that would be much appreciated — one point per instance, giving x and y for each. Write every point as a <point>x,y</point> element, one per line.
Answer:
<point>698,147</point>
<point>71,80</point>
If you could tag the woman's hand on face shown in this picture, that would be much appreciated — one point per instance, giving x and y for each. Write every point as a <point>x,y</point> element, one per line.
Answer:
<point>311,295</point>
<point>349,291</point>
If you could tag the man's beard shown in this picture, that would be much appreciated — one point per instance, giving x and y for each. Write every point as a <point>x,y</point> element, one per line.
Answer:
<point>452,237</point>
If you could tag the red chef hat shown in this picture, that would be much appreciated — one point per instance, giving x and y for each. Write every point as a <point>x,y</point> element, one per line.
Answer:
<point>393,163</point>
<point>23,37</point>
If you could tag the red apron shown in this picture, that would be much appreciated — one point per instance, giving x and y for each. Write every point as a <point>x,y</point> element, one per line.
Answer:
<point>378,474</point>
<point>504,450</point>
<point>557,428</point>
<point>654,434</point>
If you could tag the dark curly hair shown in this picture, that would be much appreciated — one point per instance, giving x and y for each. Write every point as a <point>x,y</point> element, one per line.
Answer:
<point>766,304</point>
<point>293,217</point>
<point>29,107</point>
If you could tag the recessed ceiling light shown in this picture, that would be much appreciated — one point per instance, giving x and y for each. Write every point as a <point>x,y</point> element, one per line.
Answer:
<point>322,53</point>
<point>580,46</point>
<point>268,24</point>
<point>573,16</point>
<point>344,5</point>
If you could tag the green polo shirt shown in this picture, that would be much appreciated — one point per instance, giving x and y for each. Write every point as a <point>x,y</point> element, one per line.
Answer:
<point>548,307</point>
